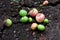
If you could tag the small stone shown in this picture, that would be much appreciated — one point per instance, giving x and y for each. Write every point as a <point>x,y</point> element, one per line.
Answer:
<point>14,31</point>
<point>33,33</point>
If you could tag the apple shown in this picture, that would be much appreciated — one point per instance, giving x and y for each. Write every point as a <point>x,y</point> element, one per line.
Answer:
<point>34,26</point>
<point>45,2</point>
<point>33,12</point>
<point>40,17</point>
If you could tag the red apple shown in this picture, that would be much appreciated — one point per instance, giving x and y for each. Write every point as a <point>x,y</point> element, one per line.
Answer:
<point>33,12</point>
<point>40,17</point>
<point>45,2</point>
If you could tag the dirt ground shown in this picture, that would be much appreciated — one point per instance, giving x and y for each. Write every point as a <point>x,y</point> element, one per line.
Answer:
<point>19,31</point>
